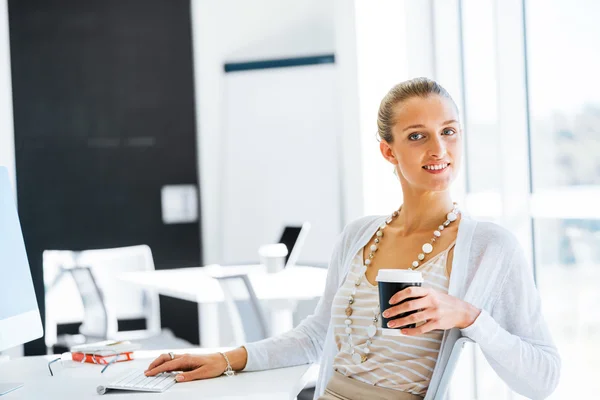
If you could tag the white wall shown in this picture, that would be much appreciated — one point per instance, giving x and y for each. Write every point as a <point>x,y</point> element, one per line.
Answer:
<point>7,146</point>
<point>280,160</point>
<point>376,43</point>
<point>351,184</point>
<point>388,41</point>
<point>239,30</point>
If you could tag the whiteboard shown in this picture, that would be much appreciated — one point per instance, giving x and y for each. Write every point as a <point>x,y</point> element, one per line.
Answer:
<point>280,160</point>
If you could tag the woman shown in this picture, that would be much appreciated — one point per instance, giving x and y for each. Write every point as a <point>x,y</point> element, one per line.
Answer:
<point>476,282</point>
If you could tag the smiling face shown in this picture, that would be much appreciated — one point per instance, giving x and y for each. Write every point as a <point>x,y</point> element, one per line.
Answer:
<point>427,143</point>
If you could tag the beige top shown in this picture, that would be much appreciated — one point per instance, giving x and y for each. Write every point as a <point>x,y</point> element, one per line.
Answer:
<point>403,363</point>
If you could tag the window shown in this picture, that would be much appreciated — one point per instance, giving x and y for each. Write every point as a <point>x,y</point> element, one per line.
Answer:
<point>563,63</point>
<point>532,120</point>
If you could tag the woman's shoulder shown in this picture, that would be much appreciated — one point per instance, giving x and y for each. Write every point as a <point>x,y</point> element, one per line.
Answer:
<point>487,233</point>
<point>363,224</point>
<point>356,229</point>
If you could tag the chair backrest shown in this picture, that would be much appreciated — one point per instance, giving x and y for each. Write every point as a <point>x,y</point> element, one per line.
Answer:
<point>444,383</point>
<point>97,320</point>
<point>240,299</point>
<point>62,298</point>
<point>124,300</point>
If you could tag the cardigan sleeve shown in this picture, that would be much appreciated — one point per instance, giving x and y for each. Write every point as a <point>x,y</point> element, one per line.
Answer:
<point>514,337</point>
<point>303,344</point>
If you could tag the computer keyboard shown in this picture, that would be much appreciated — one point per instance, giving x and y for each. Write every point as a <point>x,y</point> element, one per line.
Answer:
<point>136,380</point>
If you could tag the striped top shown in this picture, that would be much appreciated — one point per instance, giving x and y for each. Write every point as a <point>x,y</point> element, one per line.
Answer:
<point>510,330</point>
<point>403,363</point>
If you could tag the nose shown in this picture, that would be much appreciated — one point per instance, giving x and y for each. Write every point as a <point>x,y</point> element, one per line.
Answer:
<point>437,147</point>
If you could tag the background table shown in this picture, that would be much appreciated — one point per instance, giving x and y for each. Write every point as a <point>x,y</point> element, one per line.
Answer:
<point>279,291</point>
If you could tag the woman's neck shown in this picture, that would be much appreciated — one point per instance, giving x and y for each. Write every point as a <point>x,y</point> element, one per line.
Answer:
<point>423,213</point>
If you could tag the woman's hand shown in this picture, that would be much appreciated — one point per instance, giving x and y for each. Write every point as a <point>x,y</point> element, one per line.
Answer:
<point>438,310</point>
<point>198,366</point>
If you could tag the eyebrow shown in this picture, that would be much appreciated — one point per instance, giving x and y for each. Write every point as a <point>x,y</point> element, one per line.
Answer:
<point>450,121</point>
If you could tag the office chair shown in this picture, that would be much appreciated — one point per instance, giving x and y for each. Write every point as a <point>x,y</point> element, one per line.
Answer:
<point>441,391</point>
<point>119,300</point>
<point>94,326</point>
<point>123,300</point>
<point>240,298</point>
<point>97,321</point>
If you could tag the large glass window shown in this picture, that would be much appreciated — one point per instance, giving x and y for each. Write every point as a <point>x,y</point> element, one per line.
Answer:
<point>529,87</point>
<point>563,63</point>
<point>564,90</point>
<point>536,171</point>
<point>569,282</point>
<point>481,98</point>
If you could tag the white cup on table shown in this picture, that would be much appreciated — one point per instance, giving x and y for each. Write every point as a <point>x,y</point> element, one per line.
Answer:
<point>272,256</point>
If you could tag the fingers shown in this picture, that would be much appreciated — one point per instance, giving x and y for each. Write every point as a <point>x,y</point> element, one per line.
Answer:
<point>409,292</point>
<point>411,305</point>
<point>162,359</point>
<point>427,327</point>
<point>172,365</point>
<point>199,373</point>
<point>412,319</point>
<point>159,360</point>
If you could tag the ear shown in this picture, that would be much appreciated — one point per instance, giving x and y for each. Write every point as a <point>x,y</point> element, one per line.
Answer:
<point>386,152</point>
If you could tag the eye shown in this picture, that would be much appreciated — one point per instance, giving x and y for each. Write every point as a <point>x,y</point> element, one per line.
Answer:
<point>415,136</point>
<point>448,132</point>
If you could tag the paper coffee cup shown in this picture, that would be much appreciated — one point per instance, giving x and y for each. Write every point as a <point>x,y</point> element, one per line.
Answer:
<point>390,282</point>
<point>273,256</point>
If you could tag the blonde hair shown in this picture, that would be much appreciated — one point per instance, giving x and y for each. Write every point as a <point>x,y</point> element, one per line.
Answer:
<point>417,87</point>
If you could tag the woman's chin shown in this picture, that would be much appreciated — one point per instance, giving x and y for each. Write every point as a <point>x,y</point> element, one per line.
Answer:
<point>430,182</point>
<point>437,185</point>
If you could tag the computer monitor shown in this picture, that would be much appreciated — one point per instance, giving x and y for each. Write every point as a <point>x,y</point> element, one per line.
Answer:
<point>293,237</point>
<point>19,315</point>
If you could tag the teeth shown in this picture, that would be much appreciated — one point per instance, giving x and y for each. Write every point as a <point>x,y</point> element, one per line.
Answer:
<point>436,167</point>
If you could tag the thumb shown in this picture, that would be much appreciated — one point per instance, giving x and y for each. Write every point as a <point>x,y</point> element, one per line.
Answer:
<point>198,373</point>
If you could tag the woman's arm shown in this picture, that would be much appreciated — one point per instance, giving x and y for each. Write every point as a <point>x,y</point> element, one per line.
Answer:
<point>303,344</point>
<point>515,338</point>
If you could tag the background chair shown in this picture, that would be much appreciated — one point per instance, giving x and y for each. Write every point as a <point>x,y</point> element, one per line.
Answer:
<point>95,324</point>
<point>244,310</point>
<point>100,289</point>
<point>123,300</point>
<point>247,317</point>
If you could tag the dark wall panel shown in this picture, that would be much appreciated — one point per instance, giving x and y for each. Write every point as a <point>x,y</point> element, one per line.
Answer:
<point>104,117</point>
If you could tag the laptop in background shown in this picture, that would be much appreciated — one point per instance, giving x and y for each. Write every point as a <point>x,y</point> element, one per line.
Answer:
<point>294,237</point>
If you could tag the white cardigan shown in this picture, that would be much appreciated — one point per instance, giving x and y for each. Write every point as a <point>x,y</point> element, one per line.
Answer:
<point>489,270</point>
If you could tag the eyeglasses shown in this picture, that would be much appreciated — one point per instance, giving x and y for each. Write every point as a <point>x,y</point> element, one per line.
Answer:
<point>66,361</point>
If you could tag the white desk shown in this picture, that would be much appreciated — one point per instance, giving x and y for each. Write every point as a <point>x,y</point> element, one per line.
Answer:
<point>80,381</point>
<point>280,291</point>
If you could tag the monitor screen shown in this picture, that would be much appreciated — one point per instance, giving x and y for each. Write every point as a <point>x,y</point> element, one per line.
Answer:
<point>19,315</point>
<point>16,289</point>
